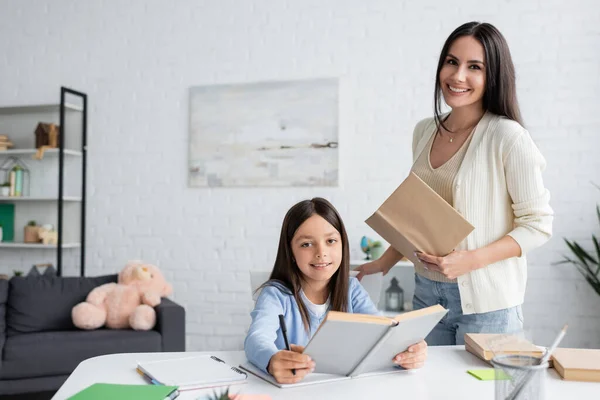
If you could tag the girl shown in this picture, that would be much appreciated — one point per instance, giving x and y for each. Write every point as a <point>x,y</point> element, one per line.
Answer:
<point>480,159</point>
<point>310,277</point>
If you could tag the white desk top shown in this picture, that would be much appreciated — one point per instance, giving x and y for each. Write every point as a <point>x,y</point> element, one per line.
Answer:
<point>443,377</point>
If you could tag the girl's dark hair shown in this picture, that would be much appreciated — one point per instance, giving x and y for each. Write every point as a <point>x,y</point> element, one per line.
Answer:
<point>500,94</point>
<point>287,276</point>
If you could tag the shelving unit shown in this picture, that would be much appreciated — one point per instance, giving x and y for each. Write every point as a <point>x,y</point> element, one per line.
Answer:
<point>55,197</point>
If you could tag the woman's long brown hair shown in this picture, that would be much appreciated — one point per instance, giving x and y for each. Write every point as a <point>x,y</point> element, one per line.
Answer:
<point>286,275</point>
<point>500,93</point>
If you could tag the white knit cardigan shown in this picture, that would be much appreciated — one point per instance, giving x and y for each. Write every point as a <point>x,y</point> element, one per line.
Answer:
<point>500,191</point>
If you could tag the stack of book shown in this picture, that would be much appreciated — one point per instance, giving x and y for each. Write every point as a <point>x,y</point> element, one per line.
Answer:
<point>5,144</point>
<point>487,345</point>
<point>577,364</point>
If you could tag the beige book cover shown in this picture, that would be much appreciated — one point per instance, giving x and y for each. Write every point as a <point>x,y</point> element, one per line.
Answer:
<point>416,218</point>
<point>577,364</point>
<point>485,345</point>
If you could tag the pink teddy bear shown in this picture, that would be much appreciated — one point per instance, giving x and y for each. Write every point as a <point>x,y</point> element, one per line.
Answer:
<point>126,304</point>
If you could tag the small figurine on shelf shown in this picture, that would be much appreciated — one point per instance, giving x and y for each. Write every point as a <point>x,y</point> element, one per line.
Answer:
<point>46,137</point>
<point>5,143</point>
<point>48,236</point>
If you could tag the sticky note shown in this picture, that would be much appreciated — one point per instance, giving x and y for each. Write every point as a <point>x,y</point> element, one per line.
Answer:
<point>488,374</point>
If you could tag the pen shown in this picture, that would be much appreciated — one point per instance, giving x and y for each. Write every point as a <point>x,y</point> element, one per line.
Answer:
<point>519,387</point>
<point>285,339</point>
<point>150,380</point>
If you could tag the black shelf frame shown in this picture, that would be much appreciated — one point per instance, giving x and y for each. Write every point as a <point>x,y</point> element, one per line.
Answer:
<point>61,161</point>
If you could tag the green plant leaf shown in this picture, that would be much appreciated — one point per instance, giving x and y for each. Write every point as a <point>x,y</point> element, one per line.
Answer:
<point>575,252</point>
<point>597,246</point>
<point>585,254</point>
<point>585,271</point>
<point>595,285</point>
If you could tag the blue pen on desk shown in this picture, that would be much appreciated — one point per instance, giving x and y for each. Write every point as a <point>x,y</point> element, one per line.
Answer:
<point>152,381</point>
<point>285,339</point>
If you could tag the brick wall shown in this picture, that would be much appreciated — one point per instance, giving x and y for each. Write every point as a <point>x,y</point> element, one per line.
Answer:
<point>137,60</point>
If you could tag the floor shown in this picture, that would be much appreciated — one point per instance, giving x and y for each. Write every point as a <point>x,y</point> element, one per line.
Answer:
<point>29,396</point>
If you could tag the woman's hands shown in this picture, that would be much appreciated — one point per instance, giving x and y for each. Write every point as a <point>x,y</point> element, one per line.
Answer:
<point>414,357</point>
<point>369,268</point>
<point>282,363</point>
<point>454,264</point>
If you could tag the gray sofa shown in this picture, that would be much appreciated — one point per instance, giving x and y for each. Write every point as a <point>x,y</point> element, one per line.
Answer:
<point>40,346</point>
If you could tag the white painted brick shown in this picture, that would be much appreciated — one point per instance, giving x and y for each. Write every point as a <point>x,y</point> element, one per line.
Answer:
<point>206,240</point>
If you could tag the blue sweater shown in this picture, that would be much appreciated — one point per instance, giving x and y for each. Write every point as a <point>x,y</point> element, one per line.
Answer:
<point>264,337</point>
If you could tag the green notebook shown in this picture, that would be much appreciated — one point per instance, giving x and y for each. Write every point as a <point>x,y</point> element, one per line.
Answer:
<point>103,391</point>
<point>7,220</point>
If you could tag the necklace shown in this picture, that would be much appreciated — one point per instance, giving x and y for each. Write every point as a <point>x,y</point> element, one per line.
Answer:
<point>451,138</point>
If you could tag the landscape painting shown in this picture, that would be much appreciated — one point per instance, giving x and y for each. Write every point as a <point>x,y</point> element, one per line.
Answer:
<point>264,134</point>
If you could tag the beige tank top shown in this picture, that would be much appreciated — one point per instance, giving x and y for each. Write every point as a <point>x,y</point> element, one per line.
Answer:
<point>440,180</point>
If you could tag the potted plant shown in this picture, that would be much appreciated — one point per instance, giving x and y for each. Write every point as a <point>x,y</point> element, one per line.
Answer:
<point>31,233</point>
<point>5,189</point>
<point>377,249</point>
<point>586,262</point>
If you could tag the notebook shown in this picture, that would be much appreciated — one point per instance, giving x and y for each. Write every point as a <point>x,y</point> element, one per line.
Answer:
<point>103,391</point>
<point>577,364</point>
<point>309,379</point>
<point>416,218</point>
<point>350,345</point>
<point>485,345</point>
<point>189,373</point>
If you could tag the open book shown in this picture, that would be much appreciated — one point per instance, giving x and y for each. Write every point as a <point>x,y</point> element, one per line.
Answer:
<point>350,345</point>
<point>189,373</point>
<point>416,218</point>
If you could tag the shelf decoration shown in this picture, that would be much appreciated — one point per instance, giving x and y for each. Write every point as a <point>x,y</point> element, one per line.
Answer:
<point>5,143</point>
<point>31,233</point>
<point>16,173</point>
<point>46,137</point>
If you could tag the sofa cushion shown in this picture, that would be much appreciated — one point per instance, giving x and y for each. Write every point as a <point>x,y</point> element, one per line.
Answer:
<point>55,353</point>
<point>37,304</point>
<point>3,298</point>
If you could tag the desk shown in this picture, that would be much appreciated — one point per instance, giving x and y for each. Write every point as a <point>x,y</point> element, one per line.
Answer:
<point>443,377</point>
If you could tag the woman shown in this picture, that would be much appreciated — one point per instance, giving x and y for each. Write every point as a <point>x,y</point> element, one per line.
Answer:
<point>481,160</point>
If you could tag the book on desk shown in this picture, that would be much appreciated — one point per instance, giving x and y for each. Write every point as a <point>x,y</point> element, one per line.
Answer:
<point>190,373</point>
<point>347,345</point>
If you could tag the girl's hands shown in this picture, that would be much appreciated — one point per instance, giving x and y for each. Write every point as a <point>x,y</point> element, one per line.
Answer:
<point>453,265</point>
<point>414,357</point>
<point>282,363</point>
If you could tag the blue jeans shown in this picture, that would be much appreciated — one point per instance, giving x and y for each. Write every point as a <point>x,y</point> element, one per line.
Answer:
<point>452,328</point>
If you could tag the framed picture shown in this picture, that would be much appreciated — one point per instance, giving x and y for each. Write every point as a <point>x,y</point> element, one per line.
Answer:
<point>264,134</point>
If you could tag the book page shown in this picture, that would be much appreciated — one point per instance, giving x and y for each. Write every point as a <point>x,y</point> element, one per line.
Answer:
<point>408,332</point>
<point>338,346</point>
